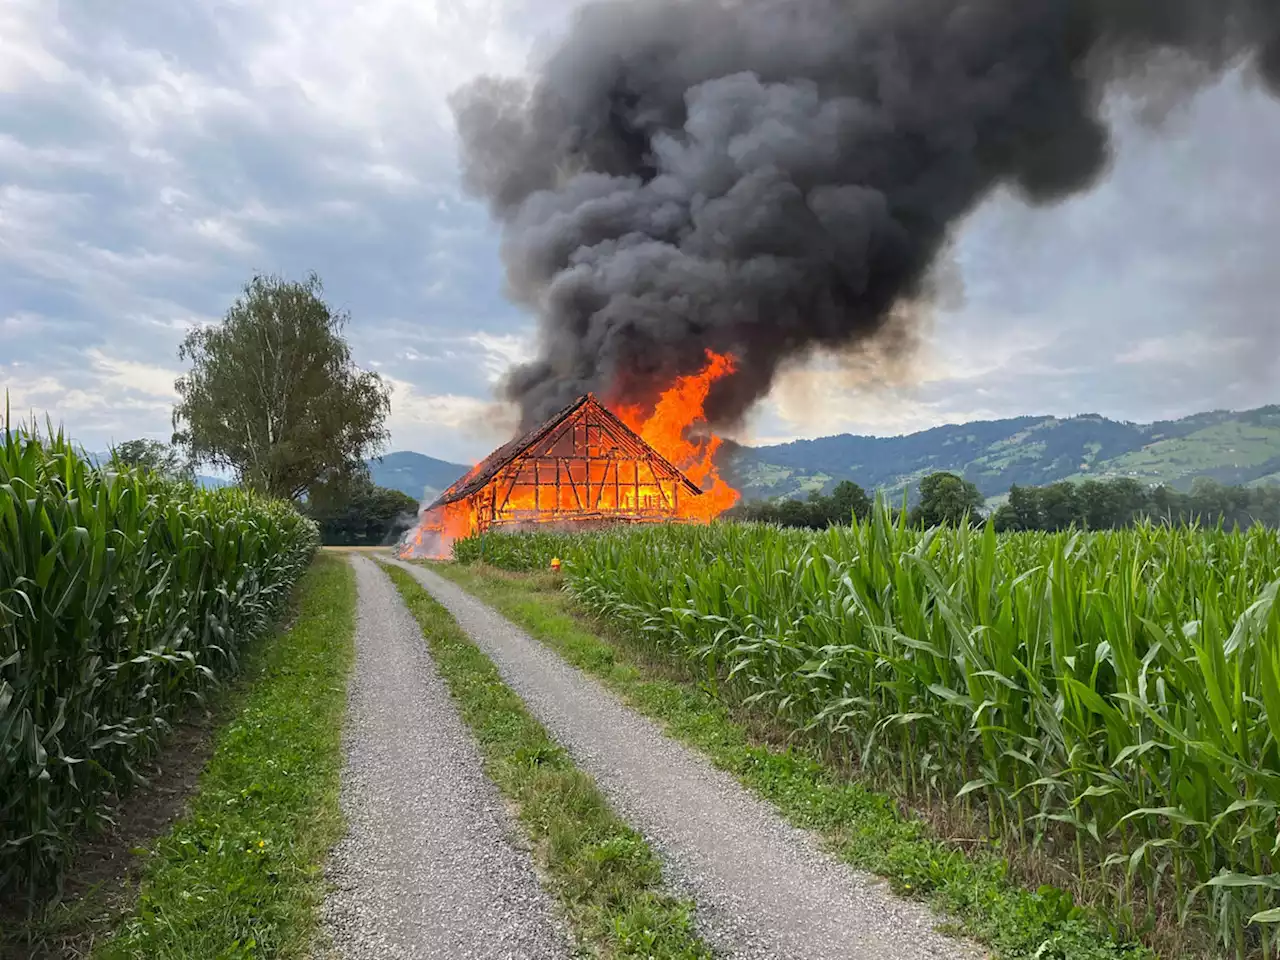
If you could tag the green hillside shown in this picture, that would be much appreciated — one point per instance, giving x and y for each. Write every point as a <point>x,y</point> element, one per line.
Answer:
<point>1233,448</point>
<point>1230,447</point>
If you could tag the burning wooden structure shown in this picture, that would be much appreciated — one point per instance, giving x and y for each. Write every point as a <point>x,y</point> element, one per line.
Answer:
<point>591,466</point>
<point>582,466</point>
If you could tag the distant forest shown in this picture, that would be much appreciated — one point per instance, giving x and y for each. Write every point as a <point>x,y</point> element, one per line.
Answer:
<point>1091,505</point>
<point>1111,504</point>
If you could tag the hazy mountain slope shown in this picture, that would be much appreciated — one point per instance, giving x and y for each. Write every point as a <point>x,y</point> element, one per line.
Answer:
<point>416,474</point>
<point>1237,450</point>
<point>1228,447</point>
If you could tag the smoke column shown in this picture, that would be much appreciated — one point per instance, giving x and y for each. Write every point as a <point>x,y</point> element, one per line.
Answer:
<point>770,177</point>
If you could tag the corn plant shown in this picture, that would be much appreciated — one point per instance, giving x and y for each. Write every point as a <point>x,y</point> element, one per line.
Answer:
<point>532,550</point>
<point>122,597</point>
<point>1111,699</point>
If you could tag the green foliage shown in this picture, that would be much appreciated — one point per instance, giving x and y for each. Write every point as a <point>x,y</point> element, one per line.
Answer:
<point>515,551</point>
<point>946,499</point>
<point>606,878</point>
<point>1110,698</point>
<point>239,875</point>
<point>152,456</point>
<point>848,500</point>
<point>1113,504</point>
<point>360,514</point>
<point>122,595</point>
<point>273,394</point>
<point>862,827</point>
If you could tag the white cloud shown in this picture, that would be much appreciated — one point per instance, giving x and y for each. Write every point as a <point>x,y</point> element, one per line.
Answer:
<point>24,25</point>
<point>223,233</point>
<point>16,154</point>
<point>448,426</point>
<point>92,409</point>
<point>358,65</point>
<point>817,402</point>
<point>21,322</point>
<point>411,406</point>
<point>143,378</point>
<point>171,97</point>
<point>501,351</point>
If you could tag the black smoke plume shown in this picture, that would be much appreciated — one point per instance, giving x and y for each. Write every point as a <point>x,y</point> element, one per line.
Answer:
<point>770,177</point>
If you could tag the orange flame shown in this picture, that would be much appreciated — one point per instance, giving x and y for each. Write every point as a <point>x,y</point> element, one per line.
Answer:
<point>675,428</point>
<point>678,409</point>
<point>438,528</point>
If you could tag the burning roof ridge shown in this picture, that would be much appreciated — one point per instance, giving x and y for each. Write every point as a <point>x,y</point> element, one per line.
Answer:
<point>628,432</point>
<point>485,471</point>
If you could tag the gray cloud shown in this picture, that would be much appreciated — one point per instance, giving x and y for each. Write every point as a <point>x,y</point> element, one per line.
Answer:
<point>1152,296</point>
<point>770,178</point>
<point>153,156</point>
<point>152,159</point>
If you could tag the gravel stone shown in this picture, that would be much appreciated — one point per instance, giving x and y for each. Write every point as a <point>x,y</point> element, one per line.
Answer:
<point>430,867</point>
<point>763,888</point>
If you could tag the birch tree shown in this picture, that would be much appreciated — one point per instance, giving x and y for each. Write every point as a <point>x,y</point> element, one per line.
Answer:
<point>273,394</point>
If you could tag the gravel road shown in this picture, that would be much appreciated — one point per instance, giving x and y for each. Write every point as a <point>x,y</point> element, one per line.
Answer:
<point>763,888</point>
<point>429,867</point>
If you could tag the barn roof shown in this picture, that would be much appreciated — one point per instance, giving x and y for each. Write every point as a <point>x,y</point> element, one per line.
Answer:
<point>479,476</point>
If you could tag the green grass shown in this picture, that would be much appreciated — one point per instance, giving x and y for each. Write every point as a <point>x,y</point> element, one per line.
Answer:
<point>861,826</point>
<point>240,875</point>
<point>605,877</point>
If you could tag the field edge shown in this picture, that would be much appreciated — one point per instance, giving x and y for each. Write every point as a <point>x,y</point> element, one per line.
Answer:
<point>241,874</point>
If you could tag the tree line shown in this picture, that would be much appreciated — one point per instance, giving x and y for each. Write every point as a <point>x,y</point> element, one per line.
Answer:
<point>1093,505</point>
<point>815,513</point>
<point>1113,504</point>
<point>351,512</point>
<point>944,498</point>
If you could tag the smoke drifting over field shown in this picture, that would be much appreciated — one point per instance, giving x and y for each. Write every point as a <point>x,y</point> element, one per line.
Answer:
<point>767,177</point>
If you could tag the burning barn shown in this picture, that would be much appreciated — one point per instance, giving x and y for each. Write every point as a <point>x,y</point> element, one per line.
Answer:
<point>582,467</point>
<point>589,466</point>
<point>583,464</point>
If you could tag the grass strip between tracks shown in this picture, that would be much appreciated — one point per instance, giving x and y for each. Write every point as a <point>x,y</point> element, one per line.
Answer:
<point>607,880</point>
<point>241,875</point>
<point>860,826</point>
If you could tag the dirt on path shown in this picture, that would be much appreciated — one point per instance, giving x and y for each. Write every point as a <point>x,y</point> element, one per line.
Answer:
<point>429,867</point>
<point>763,888</point>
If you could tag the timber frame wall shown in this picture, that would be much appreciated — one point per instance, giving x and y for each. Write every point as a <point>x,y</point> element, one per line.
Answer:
<point>589,468</point>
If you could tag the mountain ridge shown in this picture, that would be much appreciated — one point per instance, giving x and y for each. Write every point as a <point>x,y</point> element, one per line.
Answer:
<point>415,474</point>
<point>1233,447</point>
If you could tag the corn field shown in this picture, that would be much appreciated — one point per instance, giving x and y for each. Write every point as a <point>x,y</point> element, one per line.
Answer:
<point>519,552</point>
<point>1109,699</point>
<point>122,597</point>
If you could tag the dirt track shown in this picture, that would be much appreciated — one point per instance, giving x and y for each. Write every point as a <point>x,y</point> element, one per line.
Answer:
<point>428,868</point>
